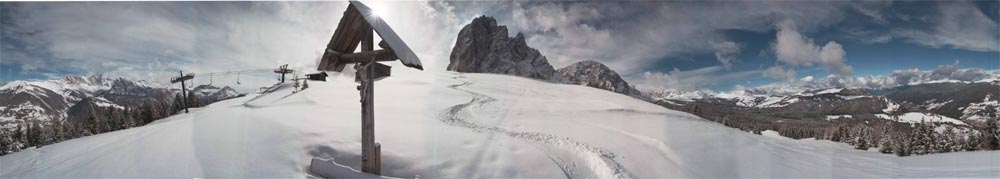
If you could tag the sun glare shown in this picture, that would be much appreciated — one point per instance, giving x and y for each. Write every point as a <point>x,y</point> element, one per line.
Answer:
<point>378,9</point>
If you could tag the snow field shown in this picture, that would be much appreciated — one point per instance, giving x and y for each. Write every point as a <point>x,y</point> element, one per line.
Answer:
<point>454,125</point>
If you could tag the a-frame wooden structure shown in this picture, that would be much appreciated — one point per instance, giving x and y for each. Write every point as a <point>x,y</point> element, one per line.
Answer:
<point>358,27</point>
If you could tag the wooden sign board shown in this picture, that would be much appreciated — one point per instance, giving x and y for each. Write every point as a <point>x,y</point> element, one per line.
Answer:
<point>321,76</point>
<point>381,71</point>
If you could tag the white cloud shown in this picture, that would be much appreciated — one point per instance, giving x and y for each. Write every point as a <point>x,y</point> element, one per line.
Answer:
<point>807,78</point>
<point>691,79</point>
<point>895,79</point>
<point>832,58</point>
<point>942,72</point>
<point>960,25</point>
<point>630,37</point>
<point>780,73</point>
<point>792,48</point>
<point>726,53</point>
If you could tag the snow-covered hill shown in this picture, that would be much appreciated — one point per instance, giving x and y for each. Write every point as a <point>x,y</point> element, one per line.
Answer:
<point>464,126</point>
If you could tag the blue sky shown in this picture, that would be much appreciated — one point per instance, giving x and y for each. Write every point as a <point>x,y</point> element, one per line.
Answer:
<point>688,45</point>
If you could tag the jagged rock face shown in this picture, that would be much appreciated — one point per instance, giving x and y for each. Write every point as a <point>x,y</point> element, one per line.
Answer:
<point>484,47</point>
<point>130,93</point>
<point>594,74</point>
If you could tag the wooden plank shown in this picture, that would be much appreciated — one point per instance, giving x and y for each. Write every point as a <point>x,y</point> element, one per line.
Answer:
<point>381,71</point>
<point>345,38</point>
<point>364,56</point>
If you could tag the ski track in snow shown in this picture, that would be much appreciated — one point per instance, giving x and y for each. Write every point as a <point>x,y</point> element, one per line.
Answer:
<point>599,161</point>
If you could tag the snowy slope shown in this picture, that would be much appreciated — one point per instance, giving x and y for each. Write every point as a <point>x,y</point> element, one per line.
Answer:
<point>464,126</point>
<point>919,117</point>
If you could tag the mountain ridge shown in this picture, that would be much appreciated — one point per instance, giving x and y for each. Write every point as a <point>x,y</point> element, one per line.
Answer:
<point>483,46</point>
<point>75,106</point>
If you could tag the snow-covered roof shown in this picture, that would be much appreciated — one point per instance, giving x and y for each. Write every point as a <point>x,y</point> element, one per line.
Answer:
<point>401,50</point>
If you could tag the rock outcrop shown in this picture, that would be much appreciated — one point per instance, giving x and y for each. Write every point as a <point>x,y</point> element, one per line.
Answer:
<point>597,75</point>
<point>485,47</point>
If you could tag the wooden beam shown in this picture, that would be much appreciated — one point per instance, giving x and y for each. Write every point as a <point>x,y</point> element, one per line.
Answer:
<point>368,158</point>
<point>357,57</point>
<point>182,78</point>
<point>363,56</point>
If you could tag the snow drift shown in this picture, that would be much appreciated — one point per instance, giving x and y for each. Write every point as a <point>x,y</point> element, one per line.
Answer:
<point>457,125</point>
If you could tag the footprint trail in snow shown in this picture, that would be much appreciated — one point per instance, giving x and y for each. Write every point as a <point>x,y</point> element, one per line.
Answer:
<point>591,162</point>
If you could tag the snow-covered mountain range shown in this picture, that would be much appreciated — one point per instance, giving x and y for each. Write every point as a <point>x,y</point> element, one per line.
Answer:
<point>955,100</point>
<point>40,112</point>
<point>51,99</point>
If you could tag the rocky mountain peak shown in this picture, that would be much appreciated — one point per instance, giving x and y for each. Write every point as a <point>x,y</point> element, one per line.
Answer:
<point>594,74</point>
<point>88,80</point>
<point>485,47</point>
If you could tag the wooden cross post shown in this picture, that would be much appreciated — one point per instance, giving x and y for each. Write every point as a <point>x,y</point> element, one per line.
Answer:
<point>367,89</point>
<point>358,26</point>
<point>181,79</point>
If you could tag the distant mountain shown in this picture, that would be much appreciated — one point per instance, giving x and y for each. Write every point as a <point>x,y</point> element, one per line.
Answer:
<point>670,95</point>
<point>843,114</point>
<point>484,47</point>
<point>73,95</point>
<point>594,74</point>
<point>47,100</point>
<point>76,106</point>
<point>949,99</point>
<point>207,94</point>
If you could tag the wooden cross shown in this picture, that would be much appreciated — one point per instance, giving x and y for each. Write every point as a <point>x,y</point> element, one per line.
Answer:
<point>356,27</point>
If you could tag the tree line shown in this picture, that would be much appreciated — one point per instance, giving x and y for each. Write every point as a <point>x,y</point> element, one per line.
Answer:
<point>36,133</point>
<point>890,137</point>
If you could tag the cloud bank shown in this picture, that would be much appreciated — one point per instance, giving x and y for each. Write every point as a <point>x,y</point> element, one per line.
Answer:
<point>942,73</point>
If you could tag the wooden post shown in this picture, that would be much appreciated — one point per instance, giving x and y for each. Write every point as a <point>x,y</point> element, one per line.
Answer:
<point>378,159</point>
<point>368,151</point>
<point>185,93</point>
